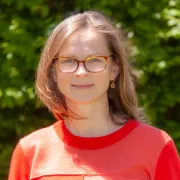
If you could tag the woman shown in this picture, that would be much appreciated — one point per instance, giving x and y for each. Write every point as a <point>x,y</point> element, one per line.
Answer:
<point>85,81</point>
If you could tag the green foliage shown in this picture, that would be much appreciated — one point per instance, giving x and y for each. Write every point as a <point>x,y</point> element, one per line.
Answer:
<point>151,26</point>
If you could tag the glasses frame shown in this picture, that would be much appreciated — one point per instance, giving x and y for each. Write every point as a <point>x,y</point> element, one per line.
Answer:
<point>83,61</point>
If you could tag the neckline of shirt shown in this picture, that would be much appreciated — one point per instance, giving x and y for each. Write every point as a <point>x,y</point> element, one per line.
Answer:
<point>93,142</point>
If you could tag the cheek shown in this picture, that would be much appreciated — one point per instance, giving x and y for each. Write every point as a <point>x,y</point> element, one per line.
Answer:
<point>103,80</point>
<point>63,81</point>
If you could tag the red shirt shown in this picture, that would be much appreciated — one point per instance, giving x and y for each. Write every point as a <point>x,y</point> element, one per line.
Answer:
<point>135,152</point>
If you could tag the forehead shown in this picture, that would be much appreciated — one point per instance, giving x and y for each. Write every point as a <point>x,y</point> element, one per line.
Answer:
<point>84,43</point>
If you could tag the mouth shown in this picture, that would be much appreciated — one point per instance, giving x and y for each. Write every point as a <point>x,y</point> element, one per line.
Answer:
<point>82,85</point>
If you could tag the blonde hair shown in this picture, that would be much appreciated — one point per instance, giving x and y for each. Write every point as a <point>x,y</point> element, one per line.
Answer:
<point>122,99</point>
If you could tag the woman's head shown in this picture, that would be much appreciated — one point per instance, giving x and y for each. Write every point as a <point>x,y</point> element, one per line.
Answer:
<point>80,37</point>
<point>98,69</point>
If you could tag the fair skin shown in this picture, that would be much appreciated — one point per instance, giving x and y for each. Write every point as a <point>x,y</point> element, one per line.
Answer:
<point>92,102</point>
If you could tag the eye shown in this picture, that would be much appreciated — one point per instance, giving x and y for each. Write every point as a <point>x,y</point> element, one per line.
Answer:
<point>68,61</point>
<point>95,60</point>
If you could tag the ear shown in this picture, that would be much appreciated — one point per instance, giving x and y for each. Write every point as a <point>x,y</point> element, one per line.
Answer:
<point>114,72</point>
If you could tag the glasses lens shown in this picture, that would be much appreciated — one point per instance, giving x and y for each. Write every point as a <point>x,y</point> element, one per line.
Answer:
<point>95,64</point>
<point>67,64</point>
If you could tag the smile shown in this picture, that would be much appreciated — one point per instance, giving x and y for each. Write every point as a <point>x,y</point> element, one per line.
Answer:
<point>83,86</point>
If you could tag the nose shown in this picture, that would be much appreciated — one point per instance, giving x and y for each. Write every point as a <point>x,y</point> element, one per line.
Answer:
<point>81,70</point>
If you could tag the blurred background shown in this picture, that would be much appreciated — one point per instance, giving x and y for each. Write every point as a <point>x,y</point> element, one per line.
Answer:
<point>152,27</point>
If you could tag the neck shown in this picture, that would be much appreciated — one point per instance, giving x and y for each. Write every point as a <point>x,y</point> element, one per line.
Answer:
<point>97,121</point>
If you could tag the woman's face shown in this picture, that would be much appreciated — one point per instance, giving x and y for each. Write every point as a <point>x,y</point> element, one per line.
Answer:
<point>81,45</point>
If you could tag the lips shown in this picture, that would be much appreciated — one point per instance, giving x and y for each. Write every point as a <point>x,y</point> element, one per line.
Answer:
<point>82,85</point>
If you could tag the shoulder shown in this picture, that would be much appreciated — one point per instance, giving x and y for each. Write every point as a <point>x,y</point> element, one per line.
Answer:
<point>151,145</point>
<point>152,131</point>
<point>38,139</point>
<point>37,135</point>
<point>39,144</point>
<point>150,136</point>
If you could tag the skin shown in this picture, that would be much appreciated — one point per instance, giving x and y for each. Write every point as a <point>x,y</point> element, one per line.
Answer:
<point>91,103</point>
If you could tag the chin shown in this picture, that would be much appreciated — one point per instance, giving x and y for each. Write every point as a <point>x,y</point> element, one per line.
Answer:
<point>83,99</point>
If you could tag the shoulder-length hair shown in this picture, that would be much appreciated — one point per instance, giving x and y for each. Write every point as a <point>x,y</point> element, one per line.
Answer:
<point>123,103</point>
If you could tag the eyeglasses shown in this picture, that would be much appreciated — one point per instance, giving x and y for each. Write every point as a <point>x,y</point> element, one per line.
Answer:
<point>92,64</point>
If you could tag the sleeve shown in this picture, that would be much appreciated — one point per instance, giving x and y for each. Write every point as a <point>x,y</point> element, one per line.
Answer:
<point>168,165</point>
<point>19,169</point>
